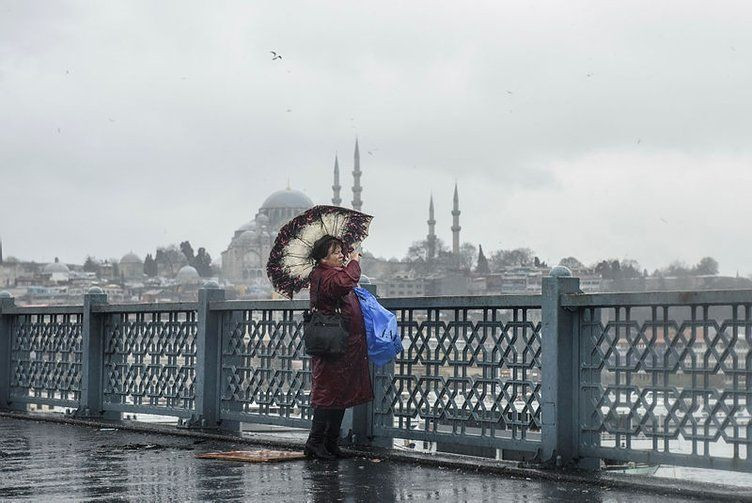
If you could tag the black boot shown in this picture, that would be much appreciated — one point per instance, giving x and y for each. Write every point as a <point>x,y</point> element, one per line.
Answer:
<point>314,446</point>
<point>331,436</point>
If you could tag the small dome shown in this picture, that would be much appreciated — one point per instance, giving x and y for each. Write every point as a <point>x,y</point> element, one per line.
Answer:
<point>287,198</point>
<point>248,226</point>
<point>247,238</point>
<point>56,267</point>
<point>131,258</point>
<point>262,219</point>
<point>365,280</point>
<point>187,275</point>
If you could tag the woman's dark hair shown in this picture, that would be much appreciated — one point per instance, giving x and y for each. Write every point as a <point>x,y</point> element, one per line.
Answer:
<point>322,246</point>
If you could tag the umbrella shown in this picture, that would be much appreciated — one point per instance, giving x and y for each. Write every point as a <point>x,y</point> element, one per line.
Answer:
<point>290,261</point>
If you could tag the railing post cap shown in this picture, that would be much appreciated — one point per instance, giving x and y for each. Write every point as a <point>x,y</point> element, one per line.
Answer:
<point>94,290</point>
<point>5,295</point>
<point>560,271</point>
<point>210,285</point>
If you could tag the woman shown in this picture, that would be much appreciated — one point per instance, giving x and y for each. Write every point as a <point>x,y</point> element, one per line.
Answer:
<point>338,382</point>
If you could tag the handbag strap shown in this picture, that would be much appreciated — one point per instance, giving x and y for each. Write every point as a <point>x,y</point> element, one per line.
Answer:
<point>314,308</point>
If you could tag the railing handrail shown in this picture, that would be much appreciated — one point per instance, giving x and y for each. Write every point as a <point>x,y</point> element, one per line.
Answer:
<point>156,307</point>
<point>658,298</point>
<point>508,301</point>
<point>259,305</point>
<point>505,301</point>
<point>23,310</point>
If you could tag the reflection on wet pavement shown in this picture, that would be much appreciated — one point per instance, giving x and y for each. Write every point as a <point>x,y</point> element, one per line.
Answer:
<point>53,462</point>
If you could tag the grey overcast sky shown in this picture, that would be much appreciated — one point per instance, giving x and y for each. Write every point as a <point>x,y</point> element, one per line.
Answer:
<point>594,129</point>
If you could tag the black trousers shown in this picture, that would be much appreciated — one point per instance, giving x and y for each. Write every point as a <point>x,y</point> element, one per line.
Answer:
<point>327,421</point>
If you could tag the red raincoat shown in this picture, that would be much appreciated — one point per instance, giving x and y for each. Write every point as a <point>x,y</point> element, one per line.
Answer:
<point>345,381</point>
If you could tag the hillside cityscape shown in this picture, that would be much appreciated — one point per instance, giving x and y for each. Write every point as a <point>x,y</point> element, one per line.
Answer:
<point>430,267</point>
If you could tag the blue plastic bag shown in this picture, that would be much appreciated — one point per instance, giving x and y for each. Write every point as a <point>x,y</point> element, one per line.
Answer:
<point>383,338</point>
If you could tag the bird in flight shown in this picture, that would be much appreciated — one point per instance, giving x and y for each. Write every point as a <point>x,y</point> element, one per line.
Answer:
<point>275,55</point>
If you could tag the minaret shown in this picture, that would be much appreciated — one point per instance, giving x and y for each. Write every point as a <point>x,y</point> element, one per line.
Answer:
<point>482,267</point>
<point>336,200</point>
<point>1,251</point>
<point>456,223</point>
<point>431,238</point>
<point>357,203</point>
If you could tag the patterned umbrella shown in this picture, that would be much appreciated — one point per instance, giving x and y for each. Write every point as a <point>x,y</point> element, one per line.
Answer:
<point>290,261</point>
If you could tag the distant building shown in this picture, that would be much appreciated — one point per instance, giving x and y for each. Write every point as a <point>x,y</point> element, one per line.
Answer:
<point>131,267</point>
<point>56,272</point>
<point>244,260</point>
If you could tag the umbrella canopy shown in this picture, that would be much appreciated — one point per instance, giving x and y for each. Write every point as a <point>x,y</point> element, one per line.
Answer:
<point>290,261</point>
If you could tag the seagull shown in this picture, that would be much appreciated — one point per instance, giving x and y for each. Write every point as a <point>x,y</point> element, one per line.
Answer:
<point>370,153</point>
<point>509,92</point>
<point>289,109</point>
<point>639,140</point>
<point>58,130</point>
<point>276,56</point>
<point>663,220</point>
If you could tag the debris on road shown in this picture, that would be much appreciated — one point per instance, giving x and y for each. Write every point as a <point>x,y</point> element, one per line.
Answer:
<point>260,456</point>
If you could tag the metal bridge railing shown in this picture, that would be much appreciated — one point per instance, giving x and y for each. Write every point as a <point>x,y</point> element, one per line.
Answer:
<point>666,378</point>
<point>562,377</point>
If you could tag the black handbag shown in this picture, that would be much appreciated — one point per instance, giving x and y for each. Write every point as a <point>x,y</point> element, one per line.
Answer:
<point>324,334</point>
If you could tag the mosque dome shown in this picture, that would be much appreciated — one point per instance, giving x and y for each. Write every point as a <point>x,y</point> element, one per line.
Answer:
<point>247,238</point>
<point>56,267</point>
<point>131,258</point>
<point>187,275</point>
<point>262,219</point>
<point>248,226</point>
<point>287,198</point>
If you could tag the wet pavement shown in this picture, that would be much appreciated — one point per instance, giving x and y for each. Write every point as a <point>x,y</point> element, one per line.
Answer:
<point>42,461</point>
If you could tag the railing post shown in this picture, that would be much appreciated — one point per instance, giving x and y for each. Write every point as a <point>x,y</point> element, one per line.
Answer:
<point>358,423</point>
<point>208,352</point>
<point>6,301</point>
<point>559,391</point>
<point>92,357</point>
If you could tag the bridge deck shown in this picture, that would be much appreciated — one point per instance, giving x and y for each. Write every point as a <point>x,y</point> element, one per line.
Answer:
<point>42,461</point>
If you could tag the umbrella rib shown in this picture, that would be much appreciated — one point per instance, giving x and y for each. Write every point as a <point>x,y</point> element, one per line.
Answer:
<point>323,224</point>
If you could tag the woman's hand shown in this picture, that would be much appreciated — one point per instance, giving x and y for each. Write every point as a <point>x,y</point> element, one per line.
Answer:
<point>355,255</point>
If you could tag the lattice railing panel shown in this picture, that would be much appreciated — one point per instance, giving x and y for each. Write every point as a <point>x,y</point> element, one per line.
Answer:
<point>150,359</point>
<point>46,357</point>
<point>469,372</point>
<point>264,367</point>
<point>668,380</point>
